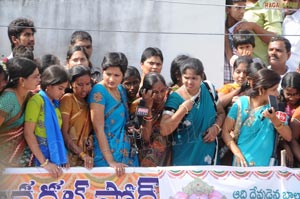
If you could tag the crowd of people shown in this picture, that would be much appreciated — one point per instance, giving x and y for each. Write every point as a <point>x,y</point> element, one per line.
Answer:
<point>56,114</point>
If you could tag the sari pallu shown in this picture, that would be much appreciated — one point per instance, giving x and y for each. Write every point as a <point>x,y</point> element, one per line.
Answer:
<point>14,151</point>
<point>254,135</point>
<point>79,128</point>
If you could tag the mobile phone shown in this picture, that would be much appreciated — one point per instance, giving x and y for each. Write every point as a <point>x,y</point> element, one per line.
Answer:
<point>273,103</point>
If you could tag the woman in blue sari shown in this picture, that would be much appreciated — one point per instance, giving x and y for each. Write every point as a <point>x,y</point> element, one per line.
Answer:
<point>193,116</point>
<point>249,129</point>
<point>108,106</point>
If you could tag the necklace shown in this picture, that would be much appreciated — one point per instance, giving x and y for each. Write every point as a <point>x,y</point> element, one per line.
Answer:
<point>80,103</point>
<point>115,94</point>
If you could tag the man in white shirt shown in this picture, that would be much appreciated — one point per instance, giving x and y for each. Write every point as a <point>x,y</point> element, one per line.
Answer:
<point>291,30</point>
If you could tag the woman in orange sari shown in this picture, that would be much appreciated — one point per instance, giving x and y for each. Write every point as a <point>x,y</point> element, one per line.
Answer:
<point>76,119</point>
<point>23,76</point>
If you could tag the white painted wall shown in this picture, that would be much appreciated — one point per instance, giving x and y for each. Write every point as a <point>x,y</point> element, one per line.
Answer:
<point>193,27</point>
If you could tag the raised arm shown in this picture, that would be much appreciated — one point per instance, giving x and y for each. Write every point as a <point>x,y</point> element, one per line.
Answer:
<point>169,122</point>
<point>262,33</point>
<point>226,99</point>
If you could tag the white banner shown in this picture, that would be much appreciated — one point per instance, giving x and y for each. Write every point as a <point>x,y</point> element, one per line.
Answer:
<point>229,182</point>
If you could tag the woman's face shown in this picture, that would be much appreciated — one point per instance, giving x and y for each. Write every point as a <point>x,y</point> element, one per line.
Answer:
<point>78,58</point>
<point>33,80</point>
<point>239,74</point>
<point>112,77</point>
<point>159,91</point>
<point>82,86</point>
<point>152,64</point>
<point>55,92</point>
<point>291,95</point>
<point>131,85</point>
<point>191,81</point>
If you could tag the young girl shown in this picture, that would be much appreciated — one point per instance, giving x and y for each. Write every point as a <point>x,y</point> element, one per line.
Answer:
<point>42,128</point>
<point>131,82</point>
<point>76,126</point>
<point>290,96</point>
<point>229,91</point>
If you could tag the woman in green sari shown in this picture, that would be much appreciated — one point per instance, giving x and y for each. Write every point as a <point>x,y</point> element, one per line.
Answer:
<point>23,76</point>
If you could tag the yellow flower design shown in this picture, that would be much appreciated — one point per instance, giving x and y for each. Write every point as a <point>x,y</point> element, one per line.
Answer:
<point>97,97</point>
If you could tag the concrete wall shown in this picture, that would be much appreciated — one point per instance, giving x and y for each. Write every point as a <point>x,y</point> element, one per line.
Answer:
<point>193,27</point>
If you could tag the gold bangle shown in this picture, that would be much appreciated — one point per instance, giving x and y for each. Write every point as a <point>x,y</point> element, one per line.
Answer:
<point>186,109</point>
<point>105,150</point>
<point>45,163</point>
<point>218,127</point>
<point>82,155</point>
<point>280,126</point>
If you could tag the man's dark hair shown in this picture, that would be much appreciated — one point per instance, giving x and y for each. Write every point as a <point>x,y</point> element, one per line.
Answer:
<point>17,26</point>
<point>23,51</point>
<point>80,35</point>
<point>231,2</point>
<point>284,40</point>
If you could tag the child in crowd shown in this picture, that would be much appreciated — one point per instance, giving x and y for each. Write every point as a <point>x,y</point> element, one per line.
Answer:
<point>131,82</point>
<point>244,43</point>
<point>229,91</point>
<point>77,126</point>
<point>42,128</point>
<point>290,96</point>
